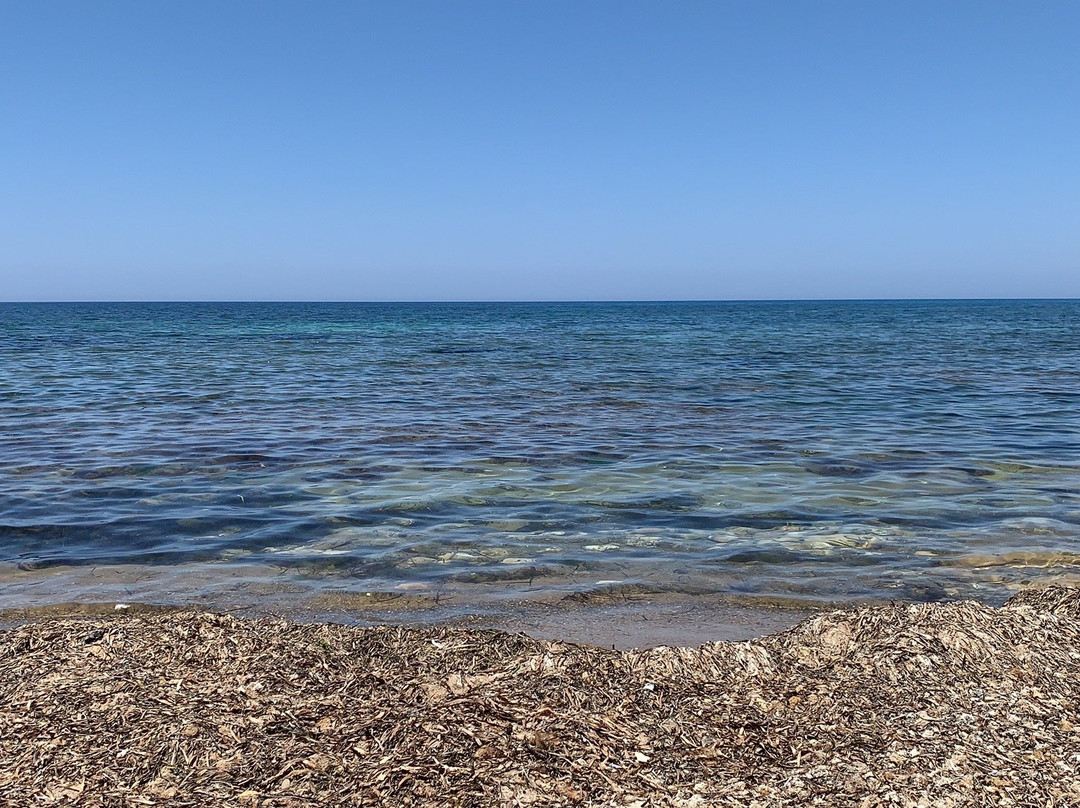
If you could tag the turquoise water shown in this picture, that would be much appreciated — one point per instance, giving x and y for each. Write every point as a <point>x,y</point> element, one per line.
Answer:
<point>915,450</point>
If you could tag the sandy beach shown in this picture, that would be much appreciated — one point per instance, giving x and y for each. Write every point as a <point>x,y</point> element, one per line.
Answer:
<point>926,704</point>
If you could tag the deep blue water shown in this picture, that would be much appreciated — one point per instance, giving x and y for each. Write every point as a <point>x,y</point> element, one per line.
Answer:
<point>826,450</point>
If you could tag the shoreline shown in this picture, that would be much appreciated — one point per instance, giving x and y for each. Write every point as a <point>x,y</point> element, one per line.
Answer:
<point>910,704</point>
<point>622,612</point>
<point>617,620</point>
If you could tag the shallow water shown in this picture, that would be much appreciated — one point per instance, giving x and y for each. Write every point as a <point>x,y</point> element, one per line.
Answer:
<point>827,451</point>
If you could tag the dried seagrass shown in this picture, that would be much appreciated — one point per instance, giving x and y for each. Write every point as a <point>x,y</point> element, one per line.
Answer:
<point>909,705</point>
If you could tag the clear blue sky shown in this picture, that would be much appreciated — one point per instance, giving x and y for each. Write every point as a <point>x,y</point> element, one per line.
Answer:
<point>538,150</point>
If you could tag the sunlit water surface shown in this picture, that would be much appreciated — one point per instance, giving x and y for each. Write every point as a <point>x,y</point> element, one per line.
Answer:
<point>826,451</point>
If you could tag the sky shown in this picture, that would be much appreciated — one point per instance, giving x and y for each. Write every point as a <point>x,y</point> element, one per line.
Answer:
<point>519,150</point>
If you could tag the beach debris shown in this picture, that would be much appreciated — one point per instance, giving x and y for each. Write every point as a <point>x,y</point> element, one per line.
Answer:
<point>947,704</point>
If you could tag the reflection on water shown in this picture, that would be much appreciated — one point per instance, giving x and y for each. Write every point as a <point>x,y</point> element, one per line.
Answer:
<point>815,450</point>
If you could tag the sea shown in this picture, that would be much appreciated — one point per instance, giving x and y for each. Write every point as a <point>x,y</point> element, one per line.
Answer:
<point>231,454</point>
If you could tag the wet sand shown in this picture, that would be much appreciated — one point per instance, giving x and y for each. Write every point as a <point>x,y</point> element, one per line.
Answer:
<point>622,617</point>
<point>619,623</point>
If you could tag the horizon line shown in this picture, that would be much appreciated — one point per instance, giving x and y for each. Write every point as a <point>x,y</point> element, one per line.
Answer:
<point>539,301</point>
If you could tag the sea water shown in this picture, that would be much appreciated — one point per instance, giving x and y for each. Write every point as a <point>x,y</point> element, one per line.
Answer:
<point>818,450</point>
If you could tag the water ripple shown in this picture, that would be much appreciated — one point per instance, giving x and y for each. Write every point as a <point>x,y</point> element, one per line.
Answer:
<point>813,449</point>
